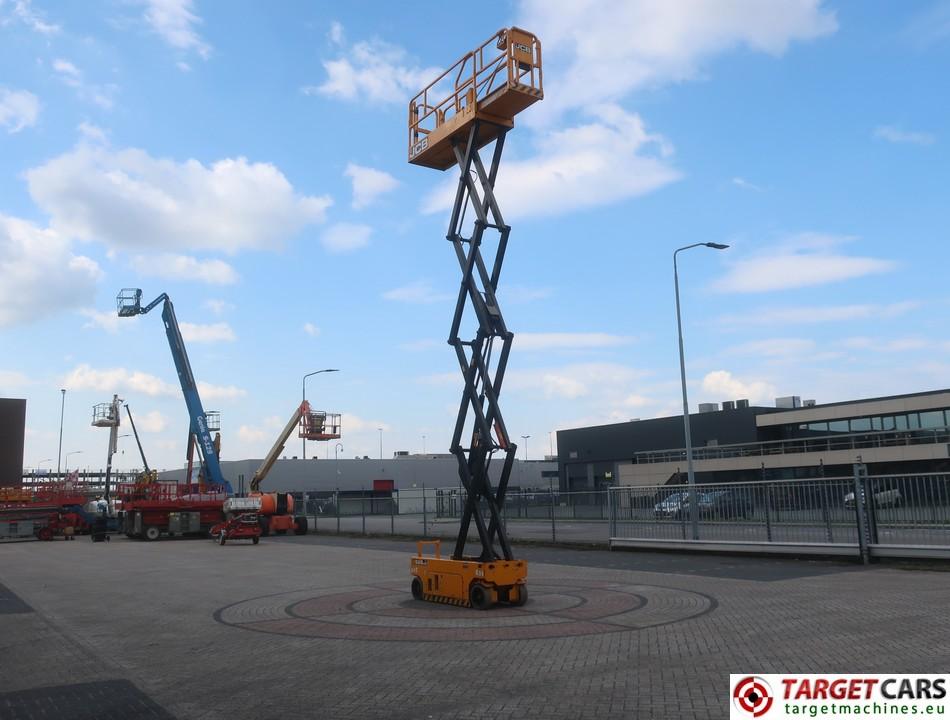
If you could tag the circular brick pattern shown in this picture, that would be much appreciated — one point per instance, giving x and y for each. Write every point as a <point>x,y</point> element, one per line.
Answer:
<point>556,608</point>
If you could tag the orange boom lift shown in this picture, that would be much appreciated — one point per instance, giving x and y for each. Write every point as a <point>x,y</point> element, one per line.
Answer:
<point>470,105</point>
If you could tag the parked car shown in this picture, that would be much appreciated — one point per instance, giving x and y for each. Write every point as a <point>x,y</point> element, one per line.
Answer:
<point>882,499</point>
<point>725,504</point>
<point>675,506</point>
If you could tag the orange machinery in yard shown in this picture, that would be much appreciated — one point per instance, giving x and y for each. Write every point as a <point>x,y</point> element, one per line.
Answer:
<point>470,105</point>
<point>276,509</point>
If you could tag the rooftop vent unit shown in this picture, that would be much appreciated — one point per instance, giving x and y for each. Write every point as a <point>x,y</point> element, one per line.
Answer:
<point>742,404</point>
<point>789,402</point>
<point>808,403</point>
<point>708,407</point>
<point>729,405</point>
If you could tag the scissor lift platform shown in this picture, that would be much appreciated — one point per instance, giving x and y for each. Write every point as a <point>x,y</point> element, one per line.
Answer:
<point>468,582</point>
<point>492,83</point>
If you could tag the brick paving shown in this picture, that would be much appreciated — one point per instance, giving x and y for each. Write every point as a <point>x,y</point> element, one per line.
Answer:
<point>170,625</point>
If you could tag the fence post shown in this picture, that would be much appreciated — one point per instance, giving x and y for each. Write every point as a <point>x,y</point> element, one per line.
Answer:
<point>611,516</point>
<point>337,503</point>
<point>768,513</point>
<point>392,514</point>
<point>860,510</point>
<point>425,521</point>
<point>553,523</point>
<point>363,507</point>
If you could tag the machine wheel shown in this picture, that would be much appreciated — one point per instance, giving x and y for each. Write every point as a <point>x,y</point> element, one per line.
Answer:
<point>522,595</point>
<point>221,538</point>
<point>44,534</point>
<point>301,525</point>
<point>152,532</point>
<point>416,588</point>
<point>479,596</point>
<point>255,539</point>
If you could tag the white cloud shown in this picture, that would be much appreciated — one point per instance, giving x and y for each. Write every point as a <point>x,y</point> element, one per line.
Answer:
<point>804,315</point>
<point>579,167</point>
<point>23,11</point>
<point>108,321</point>
<point>18,109</point>
<point>69,73</point>
<point>93,133</point>
<point>346,237</point>
<point>374,71</point>
<point>311,329</point>
<point>877,345</point>
<point>218,307</point>
<point>220,392</point>
<point>10,380</point>
<point>128,199</point>
<point>573,341</point>
<point>215,332</point>
<point>183,66</point>
<point>117,380</point>
<point>600,51</point>
<point>174,21</point>
<point>249,434</point>
<point>336,34</point>
<point>774,347</point>
<point>896,135</point>
<point>40,274</point>
<point>368,184</point>
<point>605,380</point>
<point>101,95</point>
<point>151,422</point>
<point>184,267</point>
<point>722,384</point>
<point>419,292</point>
<point>745,184</point>
<point>804,260</point>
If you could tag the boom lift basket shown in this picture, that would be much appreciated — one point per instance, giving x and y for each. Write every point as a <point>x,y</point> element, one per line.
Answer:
<point>213,420</point>
<point>129,302</point>
<point>320,426</point>
<point>104,415</point>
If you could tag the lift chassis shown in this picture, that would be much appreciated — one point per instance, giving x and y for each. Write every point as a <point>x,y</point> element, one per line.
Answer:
<point>479,112</point>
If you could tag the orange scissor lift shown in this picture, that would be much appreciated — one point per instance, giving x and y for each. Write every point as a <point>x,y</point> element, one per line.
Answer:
<point>470,105</point>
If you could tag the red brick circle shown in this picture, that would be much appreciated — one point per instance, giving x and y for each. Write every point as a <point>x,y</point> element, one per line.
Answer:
<point>559,608</point>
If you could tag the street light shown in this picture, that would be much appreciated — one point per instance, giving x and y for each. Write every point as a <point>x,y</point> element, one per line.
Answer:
<point>690,475</point>
<point>74,452</point>
<point>303,397</point>
<point>423,444</point>
<point>525,438</point>
<point>62,407</point>
<point>336,458</point>
<point>40,463</point>
<point>380,443</point>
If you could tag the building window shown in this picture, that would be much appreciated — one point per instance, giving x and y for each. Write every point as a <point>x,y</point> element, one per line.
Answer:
<point>838,426</point>
<point>861,425</point>
<point>932,419</point>
<point>876,423</point>
<point>913,421</point>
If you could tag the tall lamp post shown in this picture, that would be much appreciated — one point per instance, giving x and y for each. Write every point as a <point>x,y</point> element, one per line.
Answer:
<point>380,443</point>
<point>691,477</point>
<point>62,407</point>
<point>336,459</point>
<point>525,438</point>
<point>303,397</point>
<point>74,452</point>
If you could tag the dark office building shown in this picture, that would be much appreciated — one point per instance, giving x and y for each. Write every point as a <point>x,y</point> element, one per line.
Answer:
<point>12,436</point>
<point>736,442</point>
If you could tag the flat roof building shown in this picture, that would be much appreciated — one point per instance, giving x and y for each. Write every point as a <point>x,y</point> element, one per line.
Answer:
<point>795,439</point>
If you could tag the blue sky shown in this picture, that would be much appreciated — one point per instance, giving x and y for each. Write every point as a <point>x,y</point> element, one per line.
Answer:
<point>250,160</point>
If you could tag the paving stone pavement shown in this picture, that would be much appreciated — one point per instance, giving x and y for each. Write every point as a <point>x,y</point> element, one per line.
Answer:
<point>186,629</point>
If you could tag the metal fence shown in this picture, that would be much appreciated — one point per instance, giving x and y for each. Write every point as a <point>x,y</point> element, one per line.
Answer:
<point>898,515</point>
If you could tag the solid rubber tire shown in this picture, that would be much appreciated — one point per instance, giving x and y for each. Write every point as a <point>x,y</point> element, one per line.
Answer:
<point>301,526</point>
<point>152,532</point>
<point>255,539</point>
<point>522,595</point>
<point>479,596</point>
<point>416,588</point>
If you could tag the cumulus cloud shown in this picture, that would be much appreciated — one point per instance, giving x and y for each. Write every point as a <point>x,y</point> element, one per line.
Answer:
<point>175,22</point>
<point>11,380</point>
<point>22,10</point>
<point>611,159</point>
<point>373,71</point>
<point>151,422</point>
<point>311,329</point>
<point>108,320</point>
<point>184,267</point>
<point>40,274</point>
<point>18,109</point>
<point>723,384</point>
<point>346,237</point>
<point>220,392</point>
<point>803,260</point>
<point>215,332</point>
<point>129,199</point>
<point>601,51</point>
<point>368,184</point>
<point>117,380</point>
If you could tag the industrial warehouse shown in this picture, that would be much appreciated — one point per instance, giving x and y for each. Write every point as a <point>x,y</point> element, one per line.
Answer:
<point>470,263</point>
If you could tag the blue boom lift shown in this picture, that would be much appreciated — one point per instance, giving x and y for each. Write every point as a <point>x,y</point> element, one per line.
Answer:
<point>129,302</point>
